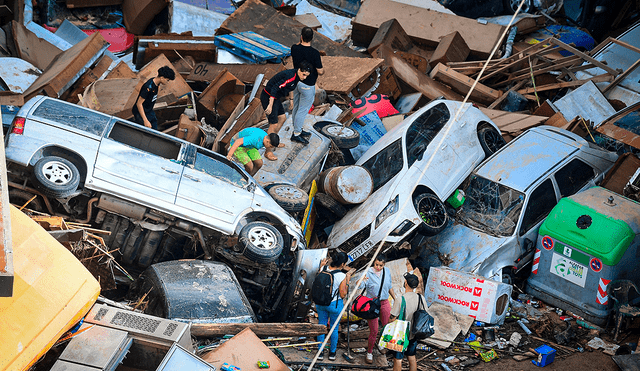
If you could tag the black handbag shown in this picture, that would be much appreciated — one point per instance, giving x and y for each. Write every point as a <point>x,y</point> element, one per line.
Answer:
<point>422,325</point>
<point>368,308</point>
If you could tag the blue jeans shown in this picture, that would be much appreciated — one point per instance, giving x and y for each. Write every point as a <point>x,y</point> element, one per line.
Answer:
<point>330,312</point>
<point>303,97</point>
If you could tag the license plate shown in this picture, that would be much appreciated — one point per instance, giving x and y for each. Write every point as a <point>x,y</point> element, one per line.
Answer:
<point>568,269</point>
<point>360,250</point>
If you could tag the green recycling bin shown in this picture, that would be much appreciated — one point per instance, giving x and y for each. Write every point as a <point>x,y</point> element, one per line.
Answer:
<point>587,241</point>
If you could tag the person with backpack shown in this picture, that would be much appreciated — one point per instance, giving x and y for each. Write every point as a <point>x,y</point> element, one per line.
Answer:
<point>378,282</point>
<point>328,290</point>
<point>412,302</point>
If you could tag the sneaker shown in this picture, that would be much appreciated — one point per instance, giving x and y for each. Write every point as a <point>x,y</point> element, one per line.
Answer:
<point>332,356</point>
<point>369,358</point>
<point>299,139</point>
<point>321,356</point>
<point>305,134</point>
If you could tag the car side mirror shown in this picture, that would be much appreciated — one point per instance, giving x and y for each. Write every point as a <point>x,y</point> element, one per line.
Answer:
<point>251,187</point>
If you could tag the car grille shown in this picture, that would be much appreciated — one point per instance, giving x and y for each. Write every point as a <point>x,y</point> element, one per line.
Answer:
<point>356,239</point>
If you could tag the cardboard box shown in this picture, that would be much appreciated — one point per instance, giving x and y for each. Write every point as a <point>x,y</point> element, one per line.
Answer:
<point>485,300</point>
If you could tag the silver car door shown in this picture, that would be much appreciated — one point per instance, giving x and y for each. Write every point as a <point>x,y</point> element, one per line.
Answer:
<point>214,188</point>
<point>138,163</point>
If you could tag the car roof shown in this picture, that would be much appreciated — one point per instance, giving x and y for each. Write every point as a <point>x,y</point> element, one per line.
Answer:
<point>187,284</point>
<point>527,158</point>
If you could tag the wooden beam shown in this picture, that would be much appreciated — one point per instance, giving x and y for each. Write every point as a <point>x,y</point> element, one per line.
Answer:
<point>622,43</point>
<point>260,329</point>
<point>584,56</point>
<point>462,84</point>
<point>566,84</point>
<point>621,76</point>
<point>538,70</point>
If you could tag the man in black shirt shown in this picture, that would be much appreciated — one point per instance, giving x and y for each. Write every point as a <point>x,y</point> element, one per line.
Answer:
<point>305,92</point>
<point>143,109</point>
<point>279,86</point>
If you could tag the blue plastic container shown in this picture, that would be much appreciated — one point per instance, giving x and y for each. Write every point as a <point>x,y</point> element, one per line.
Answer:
<point>546,355</point>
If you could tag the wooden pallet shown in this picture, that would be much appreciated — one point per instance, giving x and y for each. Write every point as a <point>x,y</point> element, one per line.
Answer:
<point>252,47</point>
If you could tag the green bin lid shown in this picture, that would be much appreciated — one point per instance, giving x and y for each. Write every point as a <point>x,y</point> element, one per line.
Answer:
<point>585,229</point>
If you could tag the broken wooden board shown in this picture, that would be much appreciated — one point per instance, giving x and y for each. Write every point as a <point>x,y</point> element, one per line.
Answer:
<point>392,34</point>
<point>411,76</point>
<point>220,98</point>
<point>173,46</point>
<point>462,84</point>
<point>621,172</point>
<point>263,19</point>
<point>32,49</point>
<point>177,87</point>
<point>451,48</point>
<point>121,71</point>
<point>424,26</point>
<point>512,124</point>
<point>343,74</point>
<point>67,67</point>
<point>93,74</point>
<point>244,350</point>
<point>246,73</point>
<point>111,96</point>
<point>138,14</point>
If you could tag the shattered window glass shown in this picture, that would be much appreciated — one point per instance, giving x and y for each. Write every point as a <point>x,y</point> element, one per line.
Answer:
<point>630,122</point>
<point>423,130</point>
<point>573,176</point>
<point>217,169</point>
<point>491,207</point>
<point>386,164</point>
<point>73,116</point>
<point>542,200</point>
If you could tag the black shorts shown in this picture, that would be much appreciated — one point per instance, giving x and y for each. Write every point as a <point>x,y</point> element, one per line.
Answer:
<point>411,350</point>
<point>151,116</point>
<point>276,110</point>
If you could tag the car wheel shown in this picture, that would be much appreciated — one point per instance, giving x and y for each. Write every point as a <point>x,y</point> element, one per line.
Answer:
<point>291,198</point>
<point>326,201</point>
<point>342,136</point>
<point>19,198</point>
<point>56,177</point>
<point>262,242</point>
<point>432,212</point>
<point>491,140</point>
<point>512,5</point>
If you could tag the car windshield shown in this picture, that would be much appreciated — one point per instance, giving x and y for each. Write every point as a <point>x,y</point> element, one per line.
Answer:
<point>630,122</point>
<point>491,207</point>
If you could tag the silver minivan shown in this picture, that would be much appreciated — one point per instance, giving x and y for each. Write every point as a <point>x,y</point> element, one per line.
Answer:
<point>507,198</point>
<point>153,191</point>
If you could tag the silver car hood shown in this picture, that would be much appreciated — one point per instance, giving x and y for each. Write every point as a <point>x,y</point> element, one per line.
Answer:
<point>464,248</point>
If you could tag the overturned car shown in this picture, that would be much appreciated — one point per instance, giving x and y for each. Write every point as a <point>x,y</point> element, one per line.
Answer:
<point>161,198</point>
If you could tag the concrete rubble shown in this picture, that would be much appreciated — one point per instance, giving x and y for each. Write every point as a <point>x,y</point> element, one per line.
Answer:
<point>416,98</point>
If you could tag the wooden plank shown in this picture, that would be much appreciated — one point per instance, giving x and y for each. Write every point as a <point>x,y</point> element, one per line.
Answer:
<point>462,84</point>
<point>496,102</point>
<point>566,84</point>
<point>525,73</point>
<point>121,71</point>
<point>32,49</point>
<point>621,77</point>
<point>512,124</point>
<point>11,99</point>
<point>411,76</point>
<point>68,66</point>
<point>263,19</point>
<point>451,48</point>
<point>246,73</point>
<point>260,329</point>
<point>624,44</point>
<point>424,26</point>
<point>584,56</point>
<point>343,74</point>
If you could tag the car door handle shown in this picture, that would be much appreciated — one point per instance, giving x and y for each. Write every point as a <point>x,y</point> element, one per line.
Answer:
<point>192,178</point>
<point>169,170</point>
<point>444,146</point>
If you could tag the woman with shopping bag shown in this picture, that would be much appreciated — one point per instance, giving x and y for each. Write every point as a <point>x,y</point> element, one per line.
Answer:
<point>405,308</point>
<point>377,284</point>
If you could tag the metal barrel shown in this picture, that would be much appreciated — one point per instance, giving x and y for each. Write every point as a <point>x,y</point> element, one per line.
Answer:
<point>348,185</point>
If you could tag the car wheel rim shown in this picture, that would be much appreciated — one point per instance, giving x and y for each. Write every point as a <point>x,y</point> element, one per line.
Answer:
<point>57,172</point>
<point>493,140</point>
<point>516,3</point>
<point>262,238</point>
<point>290,193</point>
<point>340,131</point>
<point>432,212</point>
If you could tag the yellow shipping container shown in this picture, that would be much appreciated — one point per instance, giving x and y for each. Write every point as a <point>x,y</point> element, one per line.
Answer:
<point>52,292</point>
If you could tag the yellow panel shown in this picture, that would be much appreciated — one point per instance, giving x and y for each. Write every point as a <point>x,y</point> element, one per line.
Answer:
<point>52,292</point>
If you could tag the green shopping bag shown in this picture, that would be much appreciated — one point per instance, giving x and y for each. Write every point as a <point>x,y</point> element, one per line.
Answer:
<point>395,335</point>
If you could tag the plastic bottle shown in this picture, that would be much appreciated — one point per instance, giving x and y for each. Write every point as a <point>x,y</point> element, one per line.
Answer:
<point>445,367</point>
<point>423,347</point>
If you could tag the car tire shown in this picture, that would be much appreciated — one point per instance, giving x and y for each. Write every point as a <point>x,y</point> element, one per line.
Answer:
<point>432,212</point>
<point>56,176</point>
<point>510,6</point>
<point>326,201</point>
<point>19,198</point>
<point>344,137</point>
<point>262,242</point>
<point>291,198</point>
<point>490,139</point>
